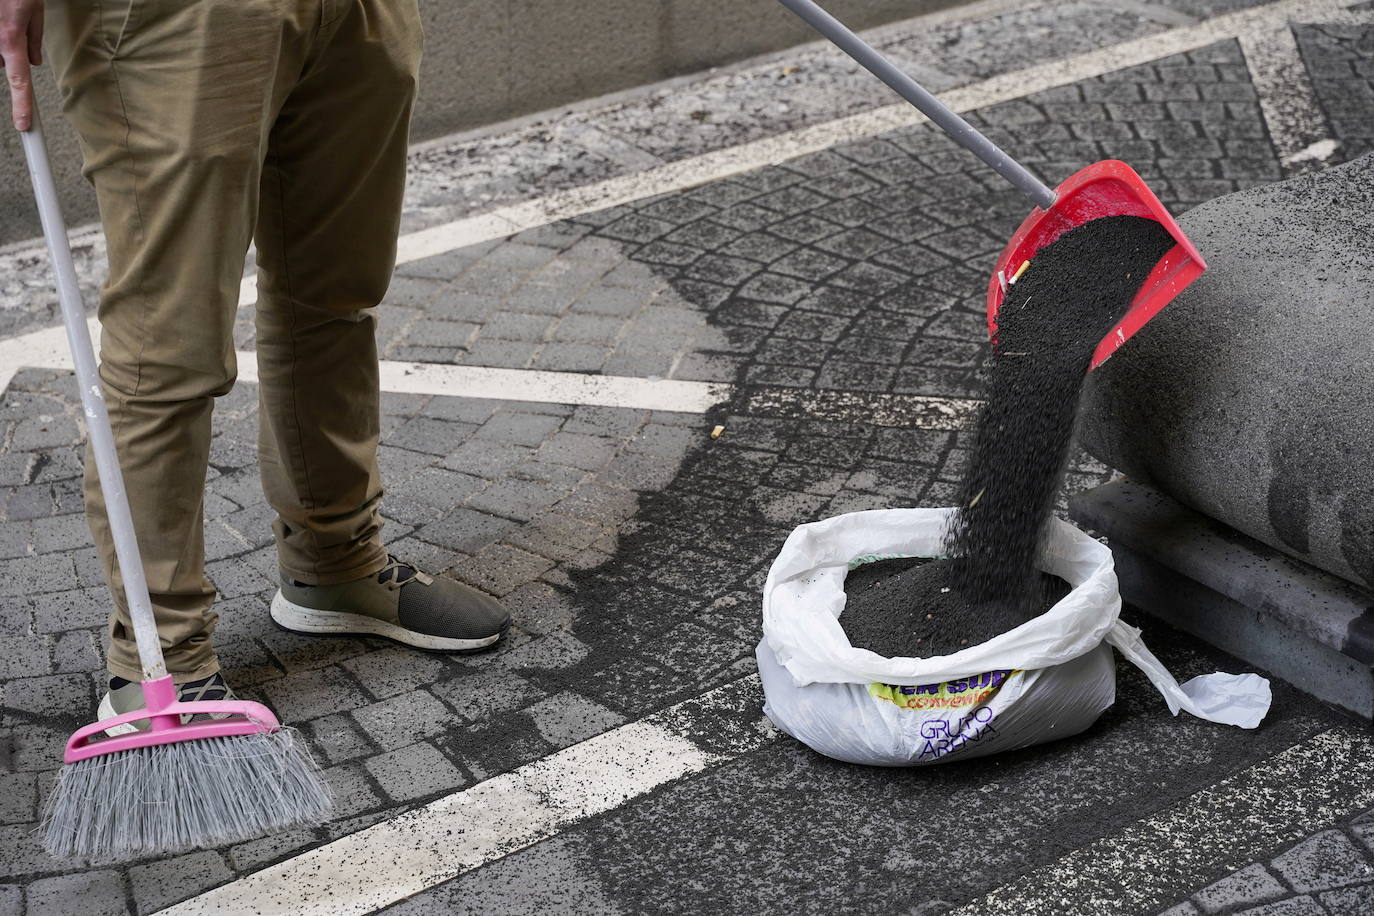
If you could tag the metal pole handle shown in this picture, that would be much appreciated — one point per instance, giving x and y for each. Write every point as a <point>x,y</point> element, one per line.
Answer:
<point>962,132</point>
<point>93,402</point>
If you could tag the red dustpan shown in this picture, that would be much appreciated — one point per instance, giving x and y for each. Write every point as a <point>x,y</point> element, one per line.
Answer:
<point>1102,189</point>
<point>1108,188</point>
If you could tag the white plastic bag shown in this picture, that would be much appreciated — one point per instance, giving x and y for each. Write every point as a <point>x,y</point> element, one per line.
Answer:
<point>1048,678</point>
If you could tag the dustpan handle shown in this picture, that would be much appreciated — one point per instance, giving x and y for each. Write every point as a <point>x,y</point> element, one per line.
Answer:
<point>93,402</point>
<point>962,131</point>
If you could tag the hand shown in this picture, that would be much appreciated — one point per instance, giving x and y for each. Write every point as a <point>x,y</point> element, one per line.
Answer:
<point>21,48</point>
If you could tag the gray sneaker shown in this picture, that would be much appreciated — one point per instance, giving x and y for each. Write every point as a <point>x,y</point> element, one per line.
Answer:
<point>400,603</point>
<point>126,696</point>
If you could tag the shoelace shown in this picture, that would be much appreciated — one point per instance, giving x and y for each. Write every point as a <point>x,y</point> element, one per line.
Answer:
<point>403,572</point>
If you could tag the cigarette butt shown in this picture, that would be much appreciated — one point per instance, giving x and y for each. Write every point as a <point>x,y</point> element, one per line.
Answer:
<point>973,502</point>
<point>930,617</point>
<point>715,433</point>
<point>1019,271</point>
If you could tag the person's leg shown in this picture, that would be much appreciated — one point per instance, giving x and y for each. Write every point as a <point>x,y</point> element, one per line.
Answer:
<point>326,240</point>
<point>331,200</point>
<point>171,102</point>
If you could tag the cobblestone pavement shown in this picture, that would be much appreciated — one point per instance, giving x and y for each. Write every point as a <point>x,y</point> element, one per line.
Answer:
<point>1331,872</point>
<point>632,547</point>
<point>1340,59</point>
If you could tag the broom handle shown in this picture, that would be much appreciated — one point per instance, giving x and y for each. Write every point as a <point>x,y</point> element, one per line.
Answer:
<point>93,403</point>
<point>962,131</point>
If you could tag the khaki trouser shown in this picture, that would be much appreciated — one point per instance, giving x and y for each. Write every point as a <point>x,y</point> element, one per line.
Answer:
<point>204,124</point>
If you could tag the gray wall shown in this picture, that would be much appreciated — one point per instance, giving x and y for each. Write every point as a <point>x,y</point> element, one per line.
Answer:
<point>490,60</point>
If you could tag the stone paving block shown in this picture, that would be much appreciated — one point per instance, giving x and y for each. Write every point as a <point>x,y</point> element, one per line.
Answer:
<point>486,459</point>
<point>520,326</point>
<point>257,854</point>
<point>586,452</point>
<point>466,530</point>
<point>692,650</point>
<point>643,471</point>
<point>667,253</point>
<point>160,884</point>
<point>37,748</point>
<point>237,576</point>
<point>1182,909</point>
<point>1322,862</point>
<point>497,746</point>
<point>395,670</point>
<point>553,535</point>
<point>405,719</point>
<point>336,829</point>
<point>91,893</point>
<point>787,507</point>
<point>518,255</point>
<point>567,718</point>
<point>784,376</point>
<point>848,501</point>
<point>18,798</point>
<point>16,539</point>
<point>528,429</point>
<point>11,899</point>
<point>24,853</point>
<point>540,608</point>
<point>435,437</point>
<point>26,657</point>
<point>27,575</point>
<point>619,301</point>
<point>480,695</point>
<point>516,498</point>
<point>465,305</point>
<point>306,695</point>
<point>303,652</point>
<point>634,686</point>
<point>440,334</point>
<point>55,696</point>
<point>246,663</point>
<point>500,569</point>
<point>1296,906</point>
<point>62,533</point>
<point>549,298</point>
<point>600,504</point>
<point>336,738</point>
<point>437,488</point>
<point>1247,887</point>
<point>245,617</point>
<point>414,772</point>
<point>501,354</point>
<point>559,649</point>
<point>89,568</point>
<point>667,441</point>
<point>572,357</point>
<point>587,328</point>
<point>353,790</point>
<point>1350,901</point>
<point>43,432</point>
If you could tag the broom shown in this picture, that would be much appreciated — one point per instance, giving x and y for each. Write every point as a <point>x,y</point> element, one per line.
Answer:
<point>179,784</point>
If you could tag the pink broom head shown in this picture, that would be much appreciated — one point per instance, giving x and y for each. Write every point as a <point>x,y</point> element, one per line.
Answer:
<point>164,713</point>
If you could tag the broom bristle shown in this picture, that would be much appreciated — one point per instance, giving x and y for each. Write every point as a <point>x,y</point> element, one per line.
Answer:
<point>186,794</point>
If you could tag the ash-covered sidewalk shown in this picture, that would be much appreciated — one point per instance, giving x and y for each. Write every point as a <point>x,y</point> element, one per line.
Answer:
<point>827,312</point>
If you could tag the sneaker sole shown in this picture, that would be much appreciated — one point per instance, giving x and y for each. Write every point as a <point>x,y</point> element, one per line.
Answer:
<point>291,616</point>
<point>105,711</point>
